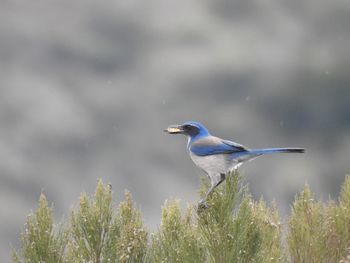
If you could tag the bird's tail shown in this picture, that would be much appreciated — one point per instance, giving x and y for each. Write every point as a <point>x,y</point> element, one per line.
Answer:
<point>277,150</point>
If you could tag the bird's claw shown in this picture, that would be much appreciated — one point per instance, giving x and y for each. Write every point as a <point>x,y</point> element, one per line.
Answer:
<point>202,205</point>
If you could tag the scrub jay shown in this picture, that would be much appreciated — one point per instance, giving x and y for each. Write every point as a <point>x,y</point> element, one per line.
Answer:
<point>215,156</point>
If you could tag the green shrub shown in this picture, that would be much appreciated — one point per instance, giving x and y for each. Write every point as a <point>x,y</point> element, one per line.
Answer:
<point>306,236</point>
<point>177,239</point>
<point>234,228</point>
<point>237,229</point>
<point>41,241</point>
<point>319,232</point>
<point>98,233</point>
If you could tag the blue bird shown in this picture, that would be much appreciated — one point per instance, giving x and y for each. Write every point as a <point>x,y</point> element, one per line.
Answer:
<point>215,156</point>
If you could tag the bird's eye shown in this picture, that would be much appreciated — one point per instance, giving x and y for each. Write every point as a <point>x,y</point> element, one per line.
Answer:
<point>187,127</point>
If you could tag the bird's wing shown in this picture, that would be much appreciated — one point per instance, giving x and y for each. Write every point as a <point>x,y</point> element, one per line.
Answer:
<point>210,145</point>
<point>235,145</point>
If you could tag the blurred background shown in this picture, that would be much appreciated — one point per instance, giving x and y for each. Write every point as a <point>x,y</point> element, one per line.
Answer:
<point>86,88</point>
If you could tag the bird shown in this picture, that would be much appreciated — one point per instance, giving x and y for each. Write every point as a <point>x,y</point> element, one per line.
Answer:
<point>215,156</point>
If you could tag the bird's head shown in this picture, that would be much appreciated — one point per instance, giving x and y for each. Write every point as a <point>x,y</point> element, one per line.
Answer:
<point>191,128</point>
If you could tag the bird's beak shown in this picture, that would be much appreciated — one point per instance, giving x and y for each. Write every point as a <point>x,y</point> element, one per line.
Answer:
<point>174,129</point>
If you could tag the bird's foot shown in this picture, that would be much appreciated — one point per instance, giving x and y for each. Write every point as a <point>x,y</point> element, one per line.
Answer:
<point>202,205</point>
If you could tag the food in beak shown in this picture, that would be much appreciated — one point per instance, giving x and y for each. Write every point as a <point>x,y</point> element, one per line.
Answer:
<point>173,129</point>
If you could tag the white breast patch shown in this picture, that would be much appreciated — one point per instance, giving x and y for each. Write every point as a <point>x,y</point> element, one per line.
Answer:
<point>214,164</point>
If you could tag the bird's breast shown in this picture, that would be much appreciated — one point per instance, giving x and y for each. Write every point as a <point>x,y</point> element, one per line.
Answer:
<point>212,164</point>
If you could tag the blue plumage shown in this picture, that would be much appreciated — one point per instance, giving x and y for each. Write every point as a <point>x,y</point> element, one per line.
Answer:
<point>215,156</point>
<point>209,145</point>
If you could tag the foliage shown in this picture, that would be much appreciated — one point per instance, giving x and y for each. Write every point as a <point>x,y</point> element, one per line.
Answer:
<point>177,239</point>
<point>234,228</point>
<point>319,232</point>
<point>39,241</point>
<point>237,229</point>
<point>95,233</point>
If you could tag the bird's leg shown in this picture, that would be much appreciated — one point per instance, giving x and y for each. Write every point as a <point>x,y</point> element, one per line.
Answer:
<point>222,178</point>
<point>215,182</point>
